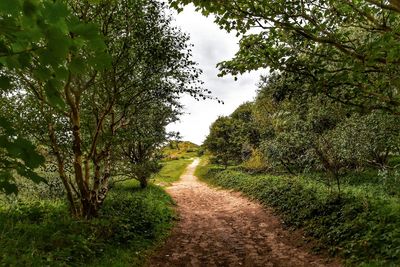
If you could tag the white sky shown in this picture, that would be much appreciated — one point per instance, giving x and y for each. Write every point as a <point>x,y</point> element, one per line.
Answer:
<point>211,45</point>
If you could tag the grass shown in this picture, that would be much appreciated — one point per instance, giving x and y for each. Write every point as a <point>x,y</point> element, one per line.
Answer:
<point>180,149</point>
<point>41,233</point>
<point>37,230</point>
<point>362,225</point>
<point>172,170</point>
<point>177,156</point>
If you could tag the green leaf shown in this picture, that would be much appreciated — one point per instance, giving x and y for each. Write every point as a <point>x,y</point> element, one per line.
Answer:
<point>5,83</point>
<point>4,48</point>
<point>5,185</point>
<point>25,150</point>
<point>30,34</point>
<point>12,62</point>
<point>29,8</point>
<point>58,44</point>
<point>29,174</point>
<point>77,66</point>
<point>28,154</point>
<point>6,125</point>
<point>100,62</point>
<point>42,73</point>
<point>24,60</point>
<point>4,141</point>
<point>61,73</point>
<point>18,47</point>
<point>46,57</point>
<point>77,43</point>
<point>88,30</point>
<point>52,89</point>
<point>10,6</point>
<point>55,11</point>
<point>97,44</point>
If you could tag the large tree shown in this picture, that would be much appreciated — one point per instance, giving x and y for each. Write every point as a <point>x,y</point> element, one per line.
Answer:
<point>149,63</point>
<point>223,142</point>
<point>141,142</point>
<point>347,49</point>
<point>37,39</point>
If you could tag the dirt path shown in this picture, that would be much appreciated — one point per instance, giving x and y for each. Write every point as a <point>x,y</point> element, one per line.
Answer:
<point>222,228</point>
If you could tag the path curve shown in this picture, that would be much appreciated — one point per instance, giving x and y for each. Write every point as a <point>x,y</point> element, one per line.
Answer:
<point>223,228</point>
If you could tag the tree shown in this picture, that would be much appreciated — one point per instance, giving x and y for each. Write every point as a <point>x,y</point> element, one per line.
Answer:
<point>246,125</point>
<point>235,137</point>
<point>149,64</point>
<point>38,37</point>
<point>347,50</point>
<point>368,139</point>
<point>222,141</point>
<point>142,140</point>
<point>315,133</point>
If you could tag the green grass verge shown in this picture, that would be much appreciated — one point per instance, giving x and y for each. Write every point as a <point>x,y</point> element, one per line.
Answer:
<point>172,170</point>
<point>362,228</point>
<point>132,222</point>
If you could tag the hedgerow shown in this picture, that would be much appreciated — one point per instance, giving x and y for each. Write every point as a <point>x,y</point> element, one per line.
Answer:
<point>363,229</point>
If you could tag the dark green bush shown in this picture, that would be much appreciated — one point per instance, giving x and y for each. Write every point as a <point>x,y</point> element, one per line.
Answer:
<point>362,229</point>
<point>44,234</point>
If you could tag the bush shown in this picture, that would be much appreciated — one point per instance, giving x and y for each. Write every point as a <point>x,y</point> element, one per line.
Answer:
<point>43,233</point>
<point>256,163</point>
<point>363,229</point>
<point>200,152</point>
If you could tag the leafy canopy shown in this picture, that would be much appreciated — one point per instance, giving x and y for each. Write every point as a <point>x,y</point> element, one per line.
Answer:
<point>348,49</point>
<point>43,38</point>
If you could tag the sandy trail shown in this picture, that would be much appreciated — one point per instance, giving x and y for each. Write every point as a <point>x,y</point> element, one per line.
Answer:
<point>222,228</point>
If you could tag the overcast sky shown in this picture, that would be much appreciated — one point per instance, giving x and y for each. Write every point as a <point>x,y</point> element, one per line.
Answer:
<point>211,45</point>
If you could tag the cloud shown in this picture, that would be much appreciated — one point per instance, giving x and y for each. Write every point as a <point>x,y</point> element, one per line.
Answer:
<point>211,46</point>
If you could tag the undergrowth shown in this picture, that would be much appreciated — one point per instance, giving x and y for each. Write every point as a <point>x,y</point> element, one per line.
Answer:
<point>41,233</point>
<point>362,228</point>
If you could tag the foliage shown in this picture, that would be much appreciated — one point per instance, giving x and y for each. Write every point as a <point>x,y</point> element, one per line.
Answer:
<point>38,37</point>
<point>16,154</point>
<point>42,232</point>
<point>361,226</point>
<point>370,138</point>
<point>140,143</point>
<point>323,134</point>
<point>232,138</point>
<point>347,50</point>
<point>121,88</point>
<point>179,150</point>
<point>222,140</point>
<point>298,132</point>
<point>257,162</point>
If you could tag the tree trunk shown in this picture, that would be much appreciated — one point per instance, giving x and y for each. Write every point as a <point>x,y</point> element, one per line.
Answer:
<point>90,208</point>
<point>73,100</point>
<point>143,182</point>
<point>61,171</point>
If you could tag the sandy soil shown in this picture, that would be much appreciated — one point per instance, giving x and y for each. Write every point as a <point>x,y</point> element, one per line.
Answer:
<point>223,228</point>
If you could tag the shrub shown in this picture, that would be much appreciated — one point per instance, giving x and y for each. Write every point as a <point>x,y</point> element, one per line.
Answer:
<point>256,163</point>
<point>42,233</point>
<point>361,228</point>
